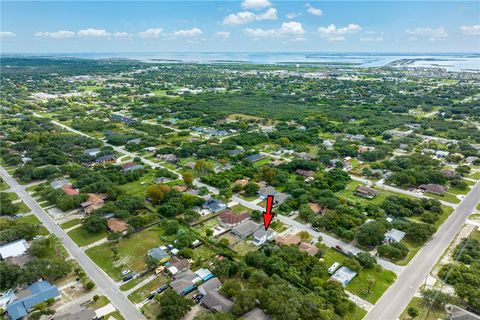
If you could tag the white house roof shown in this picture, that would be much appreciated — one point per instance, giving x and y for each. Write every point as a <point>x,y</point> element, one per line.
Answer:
<point>395,235</point>
<point>344,275</point>
<point>13,249</point>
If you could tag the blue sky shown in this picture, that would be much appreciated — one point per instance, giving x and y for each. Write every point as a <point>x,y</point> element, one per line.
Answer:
<point>248,25</point>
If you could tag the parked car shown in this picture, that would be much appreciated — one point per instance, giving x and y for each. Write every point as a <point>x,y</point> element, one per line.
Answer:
<point>162,288</point>
<point>37,237</point>
<point>126,278</point>
<point>151,296</point>
<point>197,297</point>
<point>339,247</point>
<point>125,272</point>
<point>333,268</point>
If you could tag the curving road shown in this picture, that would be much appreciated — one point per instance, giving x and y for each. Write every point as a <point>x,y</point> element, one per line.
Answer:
<point>104,284</point>
<point>396,298</point>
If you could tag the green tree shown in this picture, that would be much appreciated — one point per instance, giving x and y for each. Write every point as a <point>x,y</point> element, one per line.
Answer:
<point>173,306</point>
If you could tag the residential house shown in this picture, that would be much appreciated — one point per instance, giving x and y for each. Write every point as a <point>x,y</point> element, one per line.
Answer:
<point>120,118</point>
<point>134,141</point>
<point>184,282</point>
<point>180,188</point>
<point>448,173</point>
<point>57,184</point>
<point>94,202</point>
<point>305,173</point>
<point>441,153</point>
<point>204,274</point>
<point>160,180</point>
<point>91,152</point>
<point>214,301</point>
<point>245,229</point>
<point>106,158</point>
<point>69,190</point>
<point>176,265</point>
<point>253,157</point>
<point>366,192</point>
<point>132,166</point>
<point>210,285</point>
<point>433,188</point>
<point>308,248</point>
<point>117,225</point>
<point>235,152</point>
<point>328,144</point>
<point>261,236</point>
<point>13,249</point>
<point>456,313</point>
<point>228,219</point>
<point>291,239</point>
<point>34,294</point>
<point>344,275</point>
<point>315,207</point>
<point>394,236</point>
<point>242,182</point>
<point>158,254</point>
<point>256,314</point>
<point>82,314</point>
<point>214,205</point>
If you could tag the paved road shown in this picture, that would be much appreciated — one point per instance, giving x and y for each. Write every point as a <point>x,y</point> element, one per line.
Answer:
<point>397,297</point>
<point>104,284</point>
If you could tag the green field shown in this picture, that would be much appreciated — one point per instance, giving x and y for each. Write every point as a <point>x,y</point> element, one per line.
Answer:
<point>422,307</point>
<point>71,223</point>
<point>475,175</point>
<point>383,280</point>
<point>83,238</point>
<point>29,219</point>
<point>136,187</point>
<point>131,252</point>
<point>448,197</point>
<point>142,293</point>
<point>348,193</point>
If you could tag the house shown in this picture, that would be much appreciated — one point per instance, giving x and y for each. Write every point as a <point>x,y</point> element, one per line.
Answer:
<point>305,173</point>
<point>82,314</point>
<point>214,301</point>
<point>245,229</point>
<point>94,202</point>
<point>228,219</point>
<point>91,152</point>
<point>120,118</point>
<point>261,236</point>
<point>210,285</point>
<point>176,265</point>
<point>106,158</point>
<point>308,248</point>
<point>160,180</point>
<point>180,188</point>
<point>242,182</point>
<point>190,165</point>
<point>57,184</point>
<point>344,275</point>
<point>315,207</point>
<point>169,157</point>
<point>456,313</point>
<point>448,173</point>
<point>204,274</point>
<point>13,249</point>
<point>117,225</point>
<point>256,314</point>
<point>280,198</point>
<point>357,137</point>
<point>132,166</point>
<point>433,188</point>
<point>235,152</point>
<point>34,294</point>
<point>394,236</point>
<point>134,141</point>
<point>26,159</point>
<point>291,239</point>
<point>441,153</point>
<point>263,192</point>
<point>184,282</point>
<point>328,144</point>
<point>366,192</point>
<point>158,254</point>
<point>303,155</point>
<point>68,189</point>
<point>214,205</point>
<point>253,157</point>
<point>150,149</point>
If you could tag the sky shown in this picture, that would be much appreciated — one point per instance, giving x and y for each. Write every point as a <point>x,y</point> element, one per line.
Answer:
<point>239,26</point>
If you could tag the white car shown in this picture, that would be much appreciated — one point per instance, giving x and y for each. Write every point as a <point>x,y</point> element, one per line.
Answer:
<point>125,272</point>
<point>333,268</point>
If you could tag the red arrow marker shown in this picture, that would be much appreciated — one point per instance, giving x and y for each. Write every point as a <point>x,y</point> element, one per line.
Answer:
<point>268,215</point>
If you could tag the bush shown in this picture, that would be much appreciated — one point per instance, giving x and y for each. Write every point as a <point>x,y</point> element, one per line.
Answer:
<point>394,251</point>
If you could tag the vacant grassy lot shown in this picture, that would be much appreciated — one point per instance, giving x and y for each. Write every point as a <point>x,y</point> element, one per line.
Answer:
<point>83,238</point>
<point>475,175</point>
<point>448,197</point>
<point>382,279</point>
<point>136,187</point>
<point>29,219</point>
<point>71,223</point>
<point>422,307</point>
<point>348,193</point>
<point>131,252</point>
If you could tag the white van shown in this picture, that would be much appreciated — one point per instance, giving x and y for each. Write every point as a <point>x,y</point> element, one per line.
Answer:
<point>333,268</point>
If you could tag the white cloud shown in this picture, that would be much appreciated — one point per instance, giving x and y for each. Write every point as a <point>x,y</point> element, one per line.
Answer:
<point>151,33</point>
<point>293,15</point>
<point>62,34</point>
<point>93,33</point>
<point>372,39</point>
<point>332,33</point>
<point>222,34</point>
<point>313,11</point>
<point>256,4</point>
<point>473,30</point>
<point>7,34</point>
<point>121,35</point>
<point>430,33</point>
<point>244,17</point>
<point>291,29</point>
<point>194,32</point>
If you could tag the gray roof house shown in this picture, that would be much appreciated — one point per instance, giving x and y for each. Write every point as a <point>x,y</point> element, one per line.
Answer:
<point>457,313</point>
<point>216,302</point>
<point>256,314</point>
<point>245,229</point>
<point>253,157</point>
<point>261,236</point>
<point>394,236</point>
<point>344,275</point>
<point>91,152</point>
<point>214,205</point>
<point>158,254</point>
<point>34,294</point>
<point>57,184</point>
<point>209,285</point>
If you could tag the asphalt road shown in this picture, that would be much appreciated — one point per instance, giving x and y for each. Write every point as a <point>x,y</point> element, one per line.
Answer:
<point>104,284</point>
<point>396,298</point>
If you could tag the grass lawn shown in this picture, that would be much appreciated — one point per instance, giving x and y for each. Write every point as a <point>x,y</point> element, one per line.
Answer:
<point>151,309</point>
<point>243,247</point>
<point>456,191</point>
<point>422,307</point>
<point>131,252</point>
<point>142,293</point>
<point>202,255</point>
<point>71,223</point>
<point>475,175</point>
<point>383,280</point>
<point>116,315</point>
<point>278,226</point>
<point>22,207</point>
<point>262,162</point>
<point>357,314</point>
<point>12,196</point>
<point>238,209</point>
<point>348,193</point>
<point>136,187</point>
<point>4,186</point>
<point>29,219</point>
<point>448,197</point>
<point>132,283</point>
<point>82,237</point>
<point>101,302</point>
<point>478,206</point>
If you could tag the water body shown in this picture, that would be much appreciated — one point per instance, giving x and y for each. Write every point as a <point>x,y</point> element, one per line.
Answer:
<point>448,61</point>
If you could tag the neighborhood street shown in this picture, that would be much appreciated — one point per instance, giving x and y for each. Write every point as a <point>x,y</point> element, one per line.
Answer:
<point>397,297</point>
<point>103,282</point>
